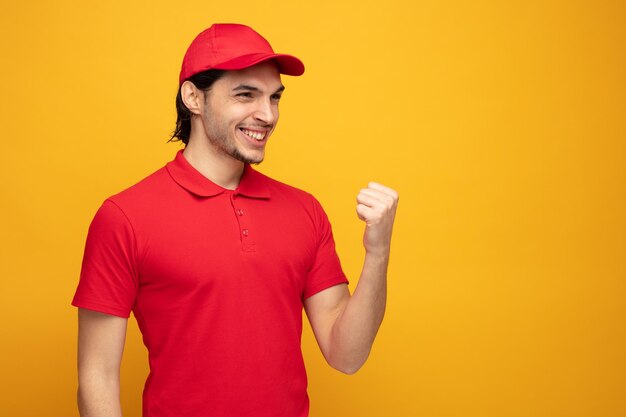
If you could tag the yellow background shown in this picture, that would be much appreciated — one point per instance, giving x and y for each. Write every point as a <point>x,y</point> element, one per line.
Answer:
<point>501,124</point>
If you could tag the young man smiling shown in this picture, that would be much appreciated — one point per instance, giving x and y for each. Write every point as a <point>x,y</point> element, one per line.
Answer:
<point>217,261</point>
<point>233,120</point>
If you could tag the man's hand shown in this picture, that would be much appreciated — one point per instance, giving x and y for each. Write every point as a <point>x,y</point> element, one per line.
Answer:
<point>377,208</point>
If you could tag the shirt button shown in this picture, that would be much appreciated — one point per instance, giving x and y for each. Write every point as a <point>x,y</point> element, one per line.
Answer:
<point>239,212</point>
<point>245,232</point>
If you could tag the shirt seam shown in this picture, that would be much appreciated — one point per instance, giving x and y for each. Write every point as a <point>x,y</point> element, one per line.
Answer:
<point>88,304</point>
<point>136,246</point>
<point>338,279</point>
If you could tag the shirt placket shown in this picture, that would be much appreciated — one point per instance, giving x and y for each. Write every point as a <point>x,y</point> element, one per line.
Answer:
<point>246,234</point>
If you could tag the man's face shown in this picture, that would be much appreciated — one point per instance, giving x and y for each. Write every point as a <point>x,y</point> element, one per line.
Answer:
<point>241,111</point>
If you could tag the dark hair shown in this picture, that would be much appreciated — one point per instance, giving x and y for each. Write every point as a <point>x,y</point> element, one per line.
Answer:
<point>203,81</point>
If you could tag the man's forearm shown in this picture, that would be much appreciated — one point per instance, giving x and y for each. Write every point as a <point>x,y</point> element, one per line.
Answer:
<point>99,397</point>
<point>356,327</point>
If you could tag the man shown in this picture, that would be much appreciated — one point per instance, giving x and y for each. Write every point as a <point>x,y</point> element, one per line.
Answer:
<point>217,260</point>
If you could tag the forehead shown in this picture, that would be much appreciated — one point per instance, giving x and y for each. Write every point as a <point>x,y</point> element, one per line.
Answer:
<point>264,76</point>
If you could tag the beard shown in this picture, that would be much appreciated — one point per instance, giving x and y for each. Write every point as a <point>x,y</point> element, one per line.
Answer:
<point>235,153</point>
<point>218,135</point>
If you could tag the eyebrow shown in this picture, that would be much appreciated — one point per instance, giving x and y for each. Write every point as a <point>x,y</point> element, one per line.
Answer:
<point>255,89</point>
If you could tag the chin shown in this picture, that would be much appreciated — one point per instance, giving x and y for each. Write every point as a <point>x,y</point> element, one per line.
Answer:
<point>248,159</point>
<point>256,161</point>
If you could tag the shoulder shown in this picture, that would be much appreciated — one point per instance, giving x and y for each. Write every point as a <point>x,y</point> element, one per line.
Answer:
<point>285,192</point>
<point>133,202</point>
<point>292,199</point>
<point>143,193</point>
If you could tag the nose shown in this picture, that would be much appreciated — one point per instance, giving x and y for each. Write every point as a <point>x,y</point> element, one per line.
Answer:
<point>266,112</point>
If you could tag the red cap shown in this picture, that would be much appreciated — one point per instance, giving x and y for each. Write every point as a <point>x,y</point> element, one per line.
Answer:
<point>228,46</point>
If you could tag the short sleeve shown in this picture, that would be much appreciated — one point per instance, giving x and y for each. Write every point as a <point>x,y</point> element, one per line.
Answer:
<point>326,269</point>
<point>108,279</point>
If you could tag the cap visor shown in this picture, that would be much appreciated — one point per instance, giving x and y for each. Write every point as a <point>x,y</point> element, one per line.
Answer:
<point>287,64</point>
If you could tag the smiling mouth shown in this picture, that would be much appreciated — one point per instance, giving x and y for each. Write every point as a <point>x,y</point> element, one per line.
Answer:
<point>259,136</point>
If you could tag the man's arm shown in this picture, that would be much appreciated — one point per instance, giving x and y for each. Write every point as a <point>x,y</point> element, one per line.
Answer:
<point>345,326</point>
<point>100,345</point>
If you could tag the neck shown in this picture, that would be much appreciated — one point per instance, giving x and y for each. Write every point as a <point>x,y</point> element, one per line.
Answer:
<point>221,169</point>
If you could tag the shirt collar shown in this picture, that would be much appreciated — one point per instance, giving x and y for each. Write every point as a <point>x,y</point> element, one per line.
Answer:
<point>252,183</point>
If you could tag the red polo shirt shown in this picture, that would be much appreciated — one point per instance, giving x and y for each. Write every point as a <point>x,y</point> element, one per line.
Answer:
<point>216,280</point>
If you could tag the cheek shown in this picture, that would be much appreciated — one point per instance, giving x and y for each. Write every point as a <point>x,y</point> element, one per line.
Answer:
<point>241,114</point>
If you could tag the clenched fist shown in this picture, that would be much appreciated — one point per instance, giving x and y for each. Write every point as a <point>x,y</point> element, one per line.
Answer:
<point>376,206</point>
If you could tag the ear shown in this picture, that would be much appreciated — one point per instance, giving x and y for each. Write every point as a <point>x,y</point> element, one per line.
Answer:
<point>192,97</point>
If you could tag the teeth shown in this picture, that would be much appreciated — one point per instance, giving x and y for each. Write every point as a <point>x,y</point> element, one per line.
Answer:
<point>254,135</point>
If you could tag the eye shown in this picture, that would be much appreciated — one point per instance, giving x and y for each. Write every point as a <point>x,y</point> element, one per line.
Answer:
<point>244,95</point>
<point>276,97</point>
